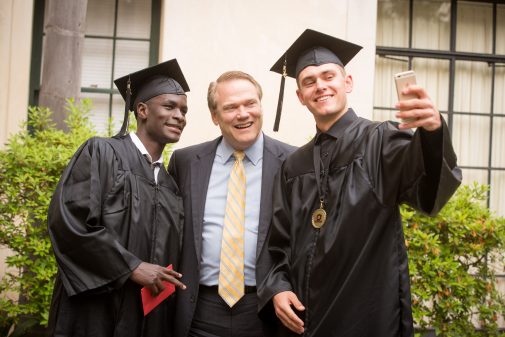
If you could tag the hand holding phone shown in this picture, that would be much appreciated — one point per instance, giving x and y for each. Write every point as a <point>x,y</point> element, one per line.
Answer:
<point>403,80</point>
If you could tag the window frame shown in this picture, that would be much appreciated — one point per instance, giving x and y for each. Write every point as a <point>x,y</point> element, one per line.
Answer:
<point>453,56</point>
<point>37,49</point>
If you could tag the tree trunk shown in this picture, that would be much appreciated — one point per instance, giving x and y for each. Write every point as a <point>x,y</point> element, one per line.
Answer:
<point>61,70</point>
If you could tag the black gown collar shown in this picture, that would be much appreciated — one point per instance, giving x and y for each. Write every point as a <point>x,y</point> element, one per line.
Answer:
<point>339,126</point>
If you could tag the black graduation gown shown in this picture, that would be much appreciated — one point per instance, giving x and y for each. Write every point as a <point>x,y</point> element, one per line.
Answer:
<point>352,274</point>
<point>106,216</point>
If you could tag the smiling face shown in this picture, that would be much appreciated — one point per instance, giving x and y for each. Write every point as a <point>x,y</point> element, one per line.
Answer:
<point>323,90</point>
<point>162,118</point>
<point>238,112</point>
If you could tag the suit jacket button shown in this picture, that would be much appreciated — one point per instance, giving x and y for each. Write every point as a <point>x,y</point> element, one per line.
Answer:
<point>192,299</point>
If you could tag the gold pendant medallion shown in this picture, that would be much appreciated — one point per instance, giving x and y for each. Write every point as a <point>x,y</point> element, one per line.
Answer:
<point>318,218</point>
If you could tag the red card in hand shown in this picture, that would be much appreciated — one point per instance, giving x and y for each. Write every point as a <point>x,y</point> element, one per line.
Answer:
<point>150,302</point>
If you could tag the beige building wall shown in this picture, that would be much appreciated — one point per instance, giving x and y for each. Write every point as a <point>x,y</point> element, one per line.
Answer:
<point>15,52</point>
<point>210,37</point>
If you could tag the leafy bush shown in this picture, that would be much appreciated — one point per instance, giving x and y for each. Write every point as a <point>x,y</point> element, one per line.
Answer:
<point>453,286</point>
<point>30,166</point>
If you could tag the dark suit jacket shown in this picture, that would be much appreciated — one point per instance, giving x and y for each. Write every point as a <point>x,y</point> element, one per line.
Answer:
<point>191,168</point>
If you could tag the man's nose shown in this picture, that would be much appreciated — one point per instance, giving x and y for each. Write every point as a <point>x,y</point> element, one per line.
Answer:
<point>320,84</point>
<point>242,112</point>
<point>179,115</point>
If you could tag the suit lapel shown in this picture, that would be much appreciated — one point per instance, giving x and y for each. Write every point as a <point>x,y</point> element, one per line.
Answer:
<point>272,160</point>
<point>201,167</point>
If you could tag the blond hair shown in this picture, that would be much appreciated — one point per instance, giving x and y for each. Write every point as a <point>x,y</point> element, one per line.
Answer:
<point>228,76</point>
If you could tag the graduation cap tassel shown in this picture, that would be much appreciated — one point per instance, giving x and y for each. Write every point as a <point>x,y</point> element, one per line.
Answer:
<point>281,98</point>
<point>126,119</point>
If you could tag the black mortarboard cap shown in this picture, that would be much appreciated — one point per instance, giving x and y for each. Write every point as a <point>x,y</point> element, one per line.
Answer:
<point>312,48</point>
<point>142,85</point>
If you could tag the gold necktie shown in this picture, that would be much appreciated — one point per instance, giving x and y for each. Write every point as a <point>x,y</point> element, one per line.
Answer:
<point>231,269</point>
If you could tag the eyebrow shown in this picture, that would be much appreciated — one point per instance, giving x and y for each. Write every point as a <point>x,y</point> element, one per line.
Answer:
<point>325,72</point>
<point>308,77</point>
<point>168,101</point>
<point>229,105</point>
<point>243,102</point>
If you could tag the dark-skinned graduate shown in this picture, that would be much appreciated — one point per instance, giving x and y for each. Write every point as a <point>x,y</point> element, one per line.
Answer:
<point>116,217</point>
<point>338,258</point>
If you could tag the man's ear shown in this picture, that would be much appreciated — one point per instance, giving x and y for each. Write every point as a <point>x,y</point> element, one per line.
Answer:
<point>142,110</point>
<point>213,115</point>
<point>348,84</point>
<point>300,97</point>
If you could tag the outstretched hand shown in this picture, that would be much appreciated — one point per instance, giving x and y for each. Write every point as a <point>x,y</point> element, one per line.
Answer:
<point>152,276</point>
<point>282,304</point>
<point>418,112</point>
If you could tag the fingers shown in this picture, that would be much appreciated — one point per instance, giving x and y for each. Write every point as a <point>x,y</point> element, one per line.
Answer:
<point>415,103</point>
<point>172,276</point>
<point>172,273</point>
<point>157,287</point>
<point>296,303</point>
<point>154,289</point>
<point>282,303</point>
<point>175,282</point>
<point>290,320</point>
<point>419,118</point>
<point>414,89</point>
<point>152,276</point>
<point>418,112</point>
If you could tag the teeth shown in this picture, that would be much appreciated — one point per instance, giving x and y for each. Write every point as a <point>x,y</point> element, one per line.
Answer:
<point>323,98</point>
<point>243,126</point>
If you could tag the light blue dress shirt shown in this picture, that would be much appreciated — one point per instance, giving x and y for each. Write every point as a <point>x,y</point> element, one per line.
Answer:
<point>215,205</point>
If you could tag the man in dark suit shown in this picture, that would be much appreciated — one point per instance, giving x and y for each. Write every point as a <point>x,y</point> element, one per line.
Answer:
<point>227,190</point>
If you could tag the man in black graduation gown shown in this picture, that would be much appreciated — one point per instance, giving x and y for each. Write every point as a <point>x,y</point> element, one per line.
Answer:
<point>338,257</point>
<point>116,217</point>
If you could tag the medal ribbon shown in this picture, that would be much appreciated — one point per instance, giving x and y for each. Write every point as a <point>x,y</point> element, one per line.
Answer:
<point>322,184</point>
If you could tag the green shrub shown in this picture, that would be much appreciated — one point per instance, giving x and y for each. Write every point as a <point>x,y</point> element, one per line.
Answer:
<point>30,166</point>
<point>449,259</point>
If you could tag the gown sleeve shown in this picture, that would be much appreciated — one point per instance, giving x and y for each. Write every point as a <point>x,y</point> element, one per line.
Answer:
<point>277,248</point>
<point>418,169</point>
<point>89,254</point>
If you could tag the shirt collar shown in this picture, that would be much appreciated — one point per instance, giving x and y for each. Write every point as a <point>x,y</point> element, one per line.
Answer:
<point>254,152</point>
<point>138,143</point>
<point>339,126</point>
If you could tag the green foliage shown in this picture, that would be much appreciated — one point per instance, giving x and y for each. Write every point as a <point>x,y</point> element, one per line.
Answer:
<point>30,166</point>
<point>450,256</point>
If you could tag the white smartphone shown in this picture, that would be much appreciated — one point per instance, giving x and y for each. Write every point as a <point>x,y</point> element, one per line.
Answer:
<point>402,80</point>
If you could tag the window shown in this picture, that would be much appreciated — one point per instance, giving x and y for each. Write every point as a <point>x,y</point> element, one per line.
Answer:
<point>457,49</point>
<point>121,36</point>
